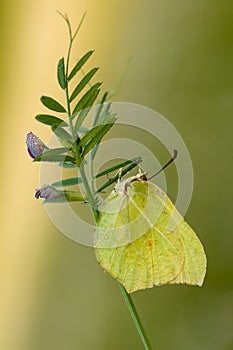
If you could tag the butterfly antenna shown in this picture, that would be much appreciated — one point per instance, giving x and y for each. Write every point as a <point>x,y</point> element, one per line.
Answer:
<point>166,165</point>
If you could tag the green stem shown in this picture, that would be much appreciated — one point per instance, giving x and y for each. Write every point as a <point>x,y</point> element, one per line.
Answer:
<point>90,197</point>
<point>88,190</point>
<point>136,318</point>
<point>67,91</point>
<point>91,177</point>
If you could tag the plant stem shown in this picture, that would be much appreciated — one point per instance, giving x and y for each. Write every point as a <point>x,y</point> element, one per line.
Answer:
<point>67,90</point>
<point>89,193</point>
<point>136,318</point>
<point>91,177</point>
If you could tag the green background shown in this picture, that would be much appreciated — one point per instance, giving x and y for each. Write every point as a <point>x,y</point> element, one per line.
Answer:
<point>53,293</point>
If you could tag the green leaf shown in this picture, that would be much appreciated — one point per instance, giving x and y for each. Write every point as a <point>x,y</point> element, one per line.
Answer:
<point>62,133</point>
<point>134,161</point>
<point>64,137</point>
<point>55,158</point>
<point>67,196</point>
<point>82,130</point>
<point>90,134</point>
<point>87,99</point>
<point>54,155</point>
<point>61,73</point>
<point>114,179</point>
<point>67,182</point>
<point>50,120</point>
<point>99,116</point>
<point>111,118</point>
<point>50,103</point>
<point>83,113</point>
<point>134,244</point>
<point>83,83</point>
<point>105,113</point>
<point>80,119</point>
<point>52,152</point>
<point>108,118</point>
<point>67,165</point>
<point>97,138</point>
<point>99,108</point>
<point>79,65</point>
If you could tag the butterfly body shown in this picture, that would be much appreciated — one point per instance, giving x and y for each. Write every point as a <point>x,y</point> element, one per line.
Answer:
<point>122,186</point>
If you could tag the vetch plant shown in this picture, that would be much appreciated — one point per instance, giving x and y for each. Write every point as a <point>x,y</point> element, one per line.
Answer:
<point>140,237</point>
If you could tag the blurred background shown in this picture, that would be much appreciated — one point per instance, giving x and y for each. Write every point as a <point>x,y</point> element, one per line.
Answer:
<point>53,294</point>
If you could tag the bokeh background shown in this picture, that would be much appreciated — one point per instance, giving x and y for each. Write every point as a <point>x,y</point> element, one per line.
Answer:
<point>53,294</point>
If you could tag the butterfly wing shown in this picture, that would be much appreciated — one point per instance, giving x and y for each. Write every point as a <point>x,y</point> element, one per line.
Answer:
<point>155,254</point>
<point>194,268</point>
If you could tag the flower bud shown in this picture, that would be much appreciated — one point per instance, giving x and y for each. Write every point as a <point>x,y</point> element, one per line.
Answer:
<point>35,145</point>
<point>48,192</point>
<point>51,194</point>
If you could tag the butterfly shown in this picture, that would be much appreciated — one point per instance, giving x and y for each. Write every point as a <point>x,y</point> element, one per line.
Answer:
<point>142,240</point>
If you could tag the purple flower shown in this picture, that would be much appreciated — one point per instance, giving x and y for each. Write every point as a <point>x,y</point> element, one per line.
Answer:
<point>35,145</point>
<point>48,192</point>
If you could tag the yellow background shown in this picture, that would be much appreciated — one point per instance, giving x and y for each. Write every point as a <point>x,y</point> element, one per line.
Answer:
<point>53,295</point>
